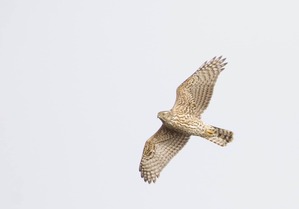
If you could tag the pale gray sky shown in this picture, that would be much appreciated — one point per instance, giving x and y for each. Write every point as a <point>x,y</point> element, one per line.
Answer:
<point>81,83</point>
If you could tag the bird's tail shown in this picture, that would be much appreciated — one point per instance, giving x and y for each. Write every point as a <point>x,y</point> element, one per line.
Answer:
<point>221,137</point>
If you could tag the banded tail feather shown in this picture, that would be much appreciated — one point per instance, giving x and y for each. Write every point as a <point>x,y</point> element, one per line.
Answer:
<point>222,136</point>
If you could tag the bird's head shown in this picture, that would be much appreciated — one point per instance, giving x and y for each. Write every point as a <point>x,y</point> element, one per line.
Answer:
<point>164,115</point>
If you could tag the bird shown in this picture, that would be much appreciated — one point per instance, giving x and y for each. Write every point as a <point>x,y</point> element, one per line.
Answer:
<point>184,120</point>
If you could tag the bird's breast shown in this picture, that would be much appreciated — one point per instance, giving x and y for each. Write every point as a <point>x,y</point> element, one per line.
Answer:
<point>185,124</point>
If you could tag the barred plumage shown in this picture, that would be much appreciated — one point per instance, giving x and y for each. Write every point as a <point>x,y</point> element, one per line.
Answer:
<point>183,120</point>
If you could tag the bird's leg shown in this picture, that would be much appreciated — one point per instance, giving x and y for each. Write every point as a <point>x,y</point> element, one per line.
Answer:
<point>209,131</point>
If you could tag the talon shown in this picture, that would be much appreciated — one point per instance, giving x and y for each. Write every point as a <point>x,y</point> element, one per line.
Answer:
<point>210,132</point>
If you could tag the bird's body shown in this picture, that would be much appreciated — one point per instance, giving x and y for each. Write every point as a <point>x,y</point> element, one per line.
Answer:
<point>183,123</point>
<point>184,120</point>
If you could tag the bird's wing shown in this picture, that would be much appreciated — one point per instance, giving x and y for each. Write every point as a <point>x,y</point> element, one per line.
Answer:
<point>159,150</point>
<point>194,94</point>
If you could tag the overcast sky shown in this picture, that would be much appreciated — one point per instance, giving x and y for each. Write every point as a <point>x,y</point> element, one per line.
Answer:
<point>81,83</point>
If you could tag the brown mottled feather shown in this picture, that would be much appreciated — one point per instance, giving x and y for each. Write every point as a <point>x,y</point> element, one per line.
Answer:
<point>193,97</point>
<point>194,94</point>
<point>159,150</point>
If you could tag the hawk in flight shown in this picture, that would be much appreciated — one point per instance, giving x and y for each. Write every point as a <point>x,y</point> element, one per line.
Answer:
<point>184,120</point>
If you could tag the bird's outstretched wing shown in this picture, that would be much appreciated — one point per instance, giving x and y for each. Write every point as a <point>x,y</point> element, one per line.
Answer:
<point>159,150</point>
<point>194,94</point>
